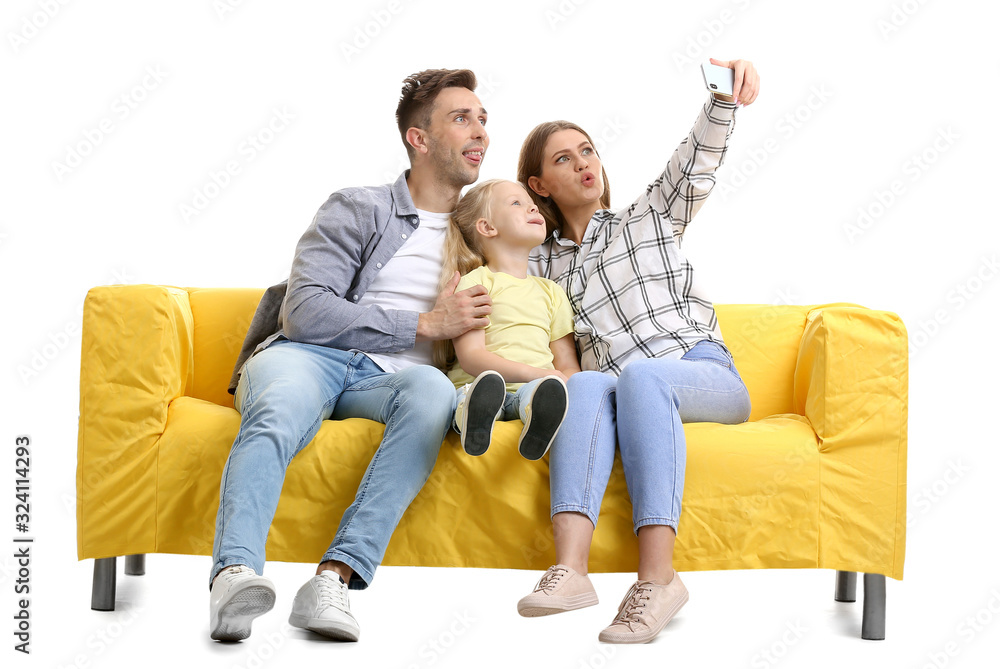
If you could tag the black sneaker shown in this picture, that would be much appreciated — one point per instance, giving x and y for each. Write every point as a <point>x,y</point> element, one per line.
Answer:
<point>483,403</point>
<point>545,413</point>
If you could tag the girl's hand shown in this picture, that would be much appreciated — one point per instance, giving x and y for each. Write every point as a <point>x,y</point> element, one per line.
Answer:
<point>746,81</point>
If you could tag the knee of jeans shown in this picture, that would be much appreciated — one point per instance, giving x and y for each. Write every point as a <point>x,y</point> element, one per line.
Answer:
<point>431,390</point>
<point>589,379</point>
<point>637,373</point>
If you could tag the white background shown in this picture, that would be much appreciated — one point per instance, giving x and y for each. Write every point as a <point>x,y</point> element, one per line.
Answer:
<point>853,94</point>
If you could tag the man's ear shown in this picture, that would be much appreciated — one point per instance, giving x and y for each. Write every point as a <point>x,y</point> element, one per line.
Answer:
<point>417,138</point>
<point>484,228</point>
<point>535,184</point>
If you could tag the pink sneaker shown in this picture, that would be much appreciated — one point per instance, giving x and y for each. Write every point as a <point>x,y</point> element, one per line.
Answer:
<point>560,589</point>
<point>646,609</point>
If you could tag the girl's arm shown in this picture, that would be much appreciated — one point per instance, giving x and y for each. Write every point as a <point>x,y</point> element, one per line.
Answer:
<point>564,355</point>
<point>470,348</point>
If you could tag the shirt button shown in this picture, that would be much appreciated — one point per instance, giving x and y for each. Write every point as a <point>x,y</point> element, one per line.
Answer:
<point>379,265</point>
<point>403,236</point>
<point>355,298</point>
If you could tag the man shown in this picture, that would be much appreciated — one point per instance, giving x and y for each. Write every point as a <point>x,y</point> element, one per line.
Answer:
<point>353,339</point>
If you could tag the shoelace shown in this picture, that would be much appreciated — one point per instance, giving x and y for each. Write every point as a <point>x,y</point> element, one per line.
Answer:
<point>550,579</point>
<point>332,593</point>
<point>633,604</point>
<point>233,572</point>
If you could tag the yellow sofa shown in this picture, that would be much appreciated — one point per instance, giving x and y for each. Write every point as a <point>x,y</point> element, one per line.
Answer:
<point>815,479</point>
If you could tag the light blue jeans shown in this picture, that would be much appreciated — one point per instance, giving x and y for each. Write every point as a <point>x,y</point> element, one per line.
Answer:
<point>513,404</point>
<point>284,394</point>
<point>641,410</point>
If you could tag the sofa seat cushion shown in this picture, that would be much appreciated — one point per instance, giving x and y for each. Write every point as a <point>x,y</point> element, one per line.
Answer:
<point>751,497</point>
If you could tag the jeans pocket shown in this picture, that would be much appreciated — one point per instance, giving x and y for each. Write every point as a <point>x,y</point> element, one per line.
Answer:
<point>709,351</point>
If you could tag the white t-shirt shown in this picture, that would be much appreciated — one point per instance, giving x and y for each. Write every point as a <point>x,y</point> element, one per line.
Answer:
<point>409,281</point>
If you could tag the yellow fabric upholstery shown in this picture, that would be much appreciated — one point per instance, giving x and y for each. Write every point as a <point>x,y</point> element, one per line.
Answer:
<point>816,478</point>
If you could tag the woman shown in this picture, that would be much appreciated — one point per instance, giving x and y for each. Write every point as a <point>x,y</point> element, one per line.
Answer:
<point>652,343</point>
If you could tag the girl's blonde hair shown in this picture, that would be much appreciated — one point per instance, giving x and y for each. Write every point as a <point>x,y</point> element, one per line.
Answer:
<point>463,250</point>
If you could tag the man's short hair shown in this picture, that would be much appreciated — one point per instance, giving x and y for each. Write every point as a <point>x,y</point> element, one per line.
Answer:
<point>417,100</point>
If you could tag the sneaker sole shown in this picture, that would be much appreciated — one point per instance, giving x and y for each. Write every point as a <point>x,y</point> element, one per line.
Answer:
<point>329,628</point>
<point>236,615</point>
<point>548,409</point>
<point>649,635</point>
<point>489,393</point>
<point>530,609</point>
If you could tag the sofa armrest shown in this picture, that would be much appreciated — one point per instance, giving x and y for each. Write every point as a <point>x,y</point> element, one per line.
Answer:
<point>851,376</point>
<point>851,383</point>
<point>137,356</point>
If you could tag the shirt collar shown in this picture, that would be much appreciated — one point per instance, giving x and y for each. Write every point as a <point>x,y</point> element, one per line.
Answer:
<point>401,198</point>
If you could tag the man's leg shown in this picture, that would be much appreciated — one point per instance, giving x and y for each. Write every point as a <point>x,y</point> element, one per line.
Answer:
<point>416,405</point>
<point>284,393</point>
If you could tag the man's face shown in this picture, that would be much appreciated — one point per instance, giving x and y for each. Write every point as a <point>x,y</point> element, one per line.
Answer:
<point>456,136</point>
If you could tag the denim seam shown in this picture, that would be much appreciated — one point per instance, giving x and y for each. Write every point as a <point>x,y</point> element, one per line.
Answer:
<point>239,433</point>
<point>576,508</point>
<point>374,463</point>
<point>593,452</point>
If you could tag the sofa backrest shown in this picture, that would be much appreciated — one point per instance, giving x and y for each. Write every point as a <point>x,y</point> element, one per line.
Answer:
<point>764,340</point>
<point>221,319</point>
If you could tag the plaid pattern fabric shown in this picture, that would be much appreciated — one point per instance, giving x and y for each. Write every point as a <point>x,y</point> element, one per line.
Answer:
<point>632,290</point>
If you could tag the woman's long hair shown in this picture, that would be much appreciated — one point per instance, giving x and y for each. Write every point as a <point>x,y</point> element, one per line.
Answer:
<point>463,251</point>
<point>530,165</point>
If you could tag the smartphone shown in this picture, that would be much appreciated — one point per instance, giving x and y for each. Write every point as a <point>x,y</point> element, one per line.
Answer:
<point>718,79</point>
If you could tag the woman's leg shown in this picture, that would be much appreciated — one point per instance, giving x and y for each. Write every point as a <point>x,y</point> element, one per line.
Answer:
<point>654,398</point>
<point>580,465</point>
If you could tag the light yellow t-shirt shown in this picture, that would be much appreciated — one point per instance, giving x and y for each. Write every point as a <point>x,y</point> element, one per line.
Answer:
<point>527,315</point>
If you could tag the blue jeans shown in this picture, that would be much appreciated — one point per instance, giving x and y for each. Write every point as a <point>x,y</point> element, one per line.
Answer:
<point>641,410</point>
<point>513,404</point>
<point>284,394</point>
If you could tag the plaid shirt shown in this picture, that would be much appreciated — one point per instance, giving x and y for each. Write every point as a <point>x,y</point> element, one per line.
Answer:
<point>632,290</point>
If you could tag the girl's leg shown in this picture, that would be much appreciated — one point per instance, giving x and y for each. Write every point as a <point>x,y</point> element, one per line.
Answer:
<point>541,406</point>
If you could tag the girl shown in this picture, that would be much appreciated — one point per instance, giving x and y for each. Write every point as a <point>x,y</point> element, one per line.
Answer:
<point>517,366</point>
<point>652,344</point>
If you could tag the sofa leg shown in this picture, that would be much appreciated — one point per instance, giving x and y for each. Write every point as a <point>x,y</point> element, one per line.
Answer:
<point>103,595</point>
<point>846,586</point>
<point>873,617</point>
<point>135,565</point>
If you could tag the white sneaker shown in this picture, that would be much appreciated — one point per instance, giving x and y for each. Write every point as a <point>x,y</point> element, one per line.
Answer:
<point>321,606</point>
<point>238,596</point>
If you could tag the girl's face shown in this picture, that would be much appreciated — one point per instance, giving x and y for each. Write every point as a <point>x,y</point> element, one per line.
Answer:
<point>514,216</point>
<point>571,170</point>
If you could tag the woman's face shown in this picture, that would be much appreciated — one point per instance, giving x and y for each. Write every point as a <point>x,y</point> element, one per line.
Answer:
<point>571,170</point>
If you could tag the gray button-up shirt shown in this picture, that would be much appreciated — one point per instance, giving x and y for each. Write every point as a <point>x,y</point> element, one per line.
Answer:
<point>354,234</point>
